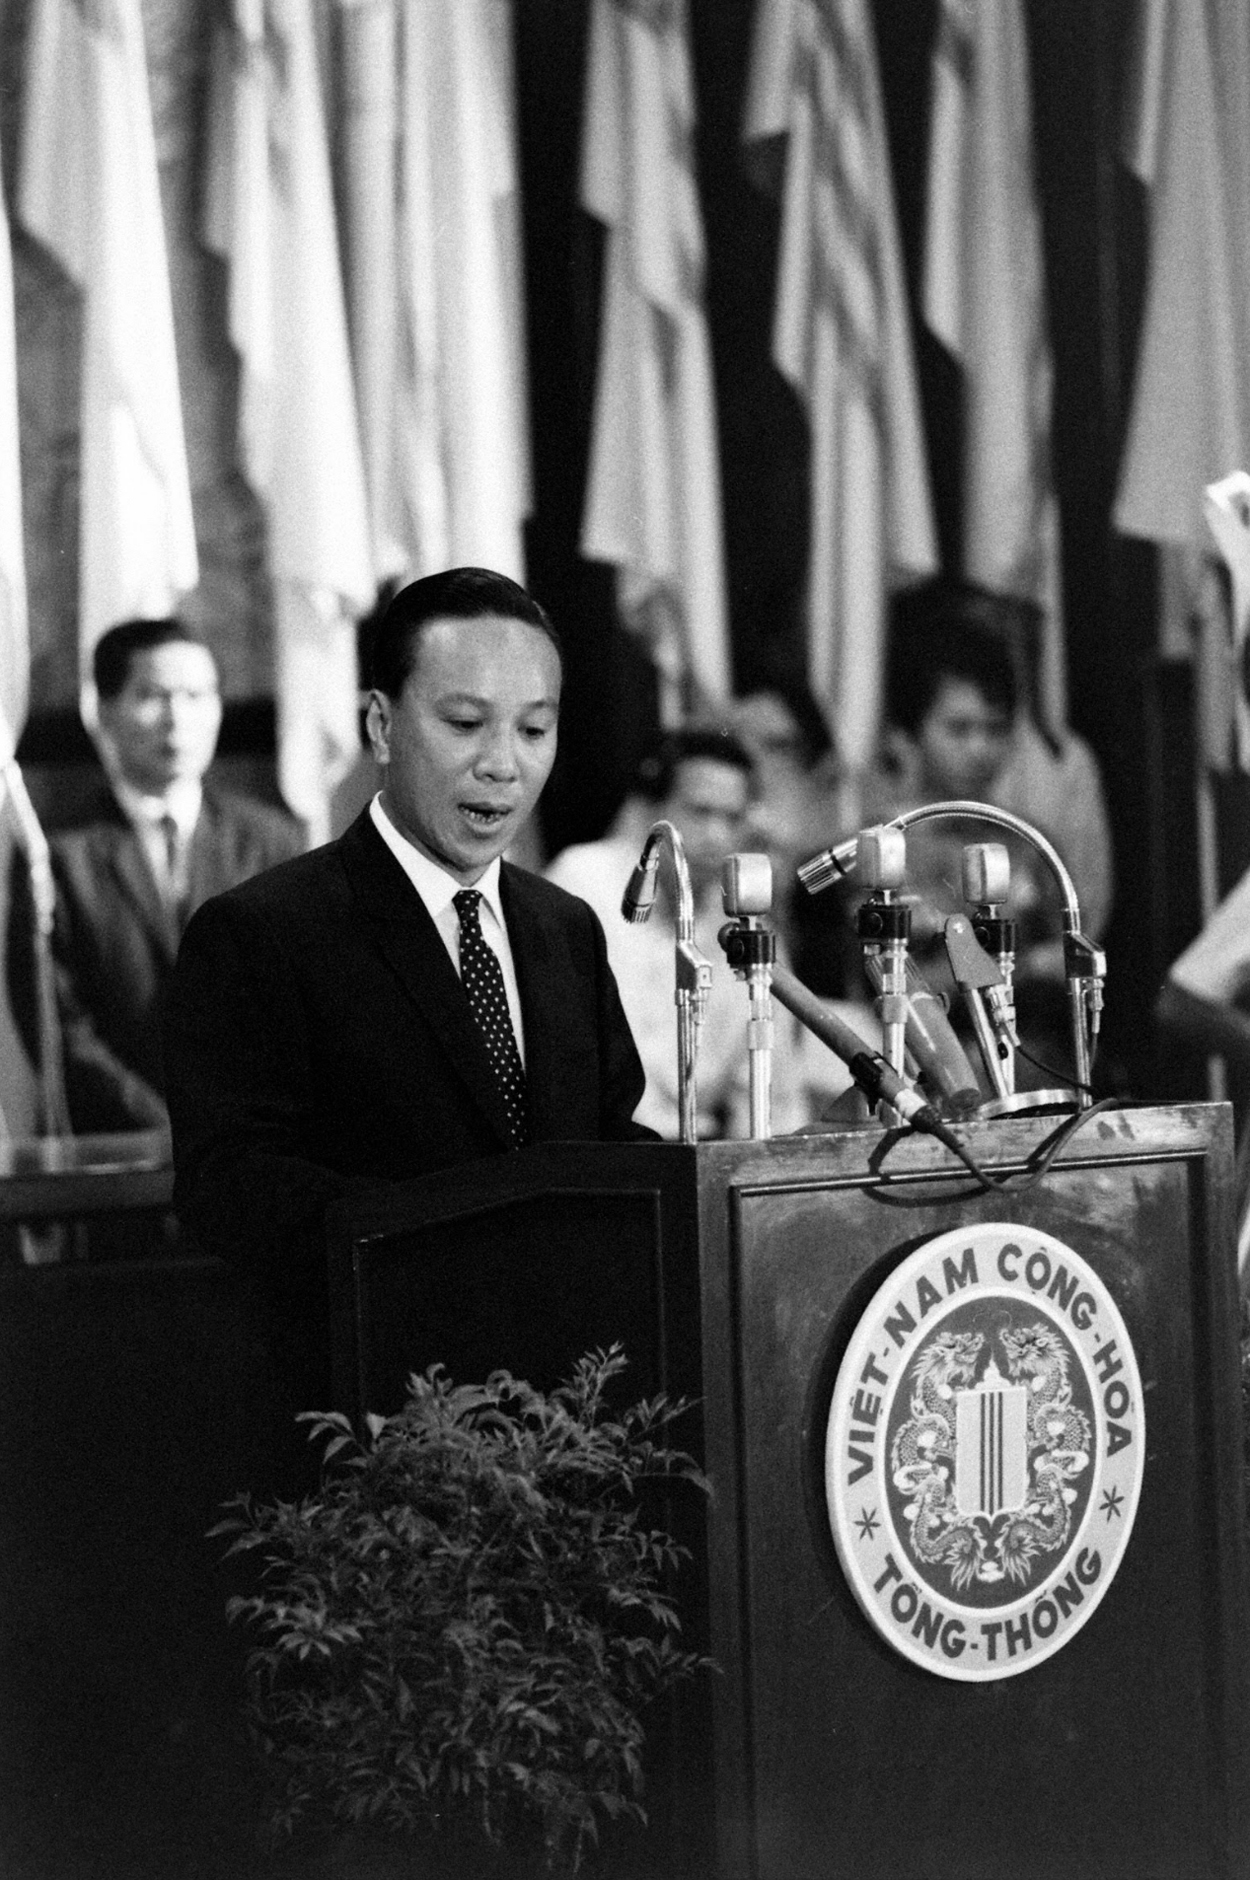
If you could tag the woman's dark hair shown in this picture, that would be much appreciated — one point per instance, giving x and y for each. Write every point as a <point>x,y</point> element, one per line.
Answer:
<point>950,644</point>
<point>454,594</point>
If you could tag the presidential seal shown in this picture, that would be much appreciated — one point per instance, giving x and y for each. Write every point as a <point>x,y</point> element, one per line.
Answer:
<point>984,1451</point>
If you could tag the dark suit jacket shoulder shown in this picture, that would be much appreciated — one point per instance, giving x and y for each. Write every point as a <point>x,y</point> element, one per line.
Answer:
<point>318,1038</point>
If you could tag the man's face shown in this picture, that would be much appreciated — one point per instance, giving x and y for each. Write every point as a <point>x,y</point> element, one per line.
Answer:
<point>470,741</point>
<point>163,724</point>
<point>707,805</point>
<point>962,742</point>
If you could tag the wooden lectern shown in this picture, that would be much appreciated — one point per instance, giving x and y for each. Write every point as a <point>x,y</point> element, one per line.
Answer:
<point>740,1272</point>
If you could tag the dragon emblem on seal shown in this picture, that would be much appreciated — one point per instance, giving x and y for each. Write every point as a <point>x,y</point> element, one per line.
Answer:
<point>987,1457</point>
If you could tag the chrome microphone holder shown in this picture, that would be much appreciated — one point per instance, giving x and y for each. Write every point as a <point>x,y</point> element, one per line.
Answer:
<point>990,994</point>
<point>884,927</point>
<point>751,950</point>
<point>691,971</point>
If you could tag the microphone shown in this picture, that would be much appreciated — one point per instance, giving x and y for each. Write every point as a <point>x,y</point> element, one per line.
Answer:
<point>901,988</point>
<point>875,1076</point>
<point>639,896</point>
<point>986,981</point>
<point>986,871</point>
<point>692,973</point>
<point>751,949</point>
<point>932,1041</point>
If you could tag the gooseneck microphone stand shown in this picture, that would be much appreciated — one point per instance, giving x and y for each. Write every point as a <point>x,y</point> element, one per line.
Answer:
<point>692,973</point>
<point>751,949</point>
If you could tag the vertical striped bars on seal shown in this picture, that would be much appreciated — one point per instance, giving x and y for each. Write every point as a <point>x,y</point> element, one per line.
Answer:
<point>991,1446</point>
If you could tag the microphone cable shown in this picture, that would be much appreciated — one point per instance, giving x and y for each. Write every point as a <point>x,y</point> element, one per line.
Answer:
<point>931,1124</point>
<point>1058,1077</point>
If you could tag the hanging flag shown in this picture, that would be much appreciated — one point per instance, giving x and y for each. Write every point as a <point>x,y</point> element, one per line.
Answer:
<point>1190,418</point>
<point>984,298</point>
<point>269,213</point>
<point>433,243</point>
<point>89,191</point>
<point>14,646</point>
<point>653,507</point>
<point>1227,508</point>
<point>841,338</point>
<point>369,146</point>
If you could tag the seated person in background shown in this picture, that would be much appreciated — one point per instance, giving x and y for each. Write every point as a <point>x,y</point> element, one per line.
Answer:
<point>700,780</point>
<point>156,843</point>
<point>795,812</point>
<point>1202,1003</point>
<point>793,802</point>
<point>1050,779</point>
<point>951,699</point>
<point>1202,997</point>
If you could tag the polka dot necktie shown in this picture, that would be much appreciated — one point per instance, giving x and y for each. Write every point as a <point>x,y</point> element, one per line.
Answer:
<point>482,978</point>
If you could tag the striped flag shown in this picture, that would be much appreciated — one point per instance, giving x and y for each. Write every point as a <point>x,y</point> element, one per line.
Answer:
<point>1190,419</point>
<point>89,191</point>
<point>14,645</point>
<point>269,213</point>
<point>433,243</point>
<point>984,298</point>
<point>841,338</point>
<point>369,144</point>
<point>1227,508</point>
<point>1188,440</point>
<point>653,507</point>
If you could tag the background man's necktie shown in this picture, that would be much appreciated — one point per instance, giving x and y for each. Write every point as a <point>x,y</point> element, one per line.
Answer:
<point>175,868</point>
<point>482,978</point>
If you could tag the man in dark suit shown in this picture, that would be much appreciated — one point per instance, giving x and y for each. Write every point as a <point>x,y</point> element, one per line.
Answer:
<point>337,1023</point>
<point>155,843</point>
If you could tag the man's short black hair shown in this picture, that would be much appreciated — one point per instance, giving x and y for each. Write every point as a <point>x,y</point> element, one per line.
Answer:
<point>454,594</point>
<point>658,772</point>
<point>115,650</point>
<point>951,639</point>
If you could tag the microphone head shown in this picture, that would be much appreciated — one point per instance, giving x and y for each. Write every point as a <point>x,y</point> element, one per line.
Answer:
<point>746,884</point>
<point>986,874</point>
<point>881,856</point>
<point>639,896</point>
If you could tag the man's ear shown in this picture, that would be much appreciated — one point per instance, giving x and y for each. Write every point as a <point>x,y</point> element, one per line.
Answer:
<point>378,726</point>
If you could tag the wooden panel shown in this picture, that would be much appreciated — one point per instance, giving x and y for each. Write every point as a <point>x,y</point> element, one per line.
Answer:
<point>1122,1755</point>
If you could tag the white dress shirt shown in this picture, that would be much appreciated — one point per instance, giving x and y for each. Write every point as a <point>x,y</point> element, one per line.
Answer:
<point>437,889</point>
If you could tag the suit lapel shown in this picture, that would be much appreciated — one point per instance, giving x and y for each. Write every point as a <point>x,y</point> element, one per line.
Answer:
<point>544,974</point>
<point>209,871</point>
<point>413,948</point>
<point>137,883</point>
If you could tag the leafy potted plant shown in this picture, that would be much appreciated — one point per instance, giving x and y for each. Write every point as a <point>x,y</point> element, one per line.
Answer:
<point>458,1633</point>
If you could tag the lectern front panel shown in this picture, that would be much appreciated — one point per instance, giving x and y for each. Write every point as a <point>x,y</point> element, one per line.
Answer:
<point>1116,1757</point>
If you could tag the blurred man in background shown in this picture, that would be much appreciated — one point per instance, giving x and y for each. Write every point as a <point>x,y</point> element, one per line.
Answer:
<point>701,780</point>
<point>153,845</point>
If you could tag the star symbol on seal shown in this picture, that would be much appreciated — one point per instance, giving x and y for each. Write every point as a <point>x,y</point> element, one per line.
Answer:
<point>867,1523</point>
<point>1112,1502</point>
